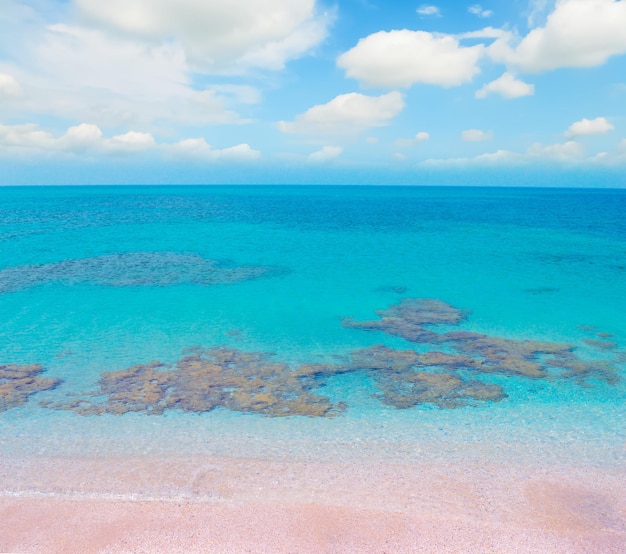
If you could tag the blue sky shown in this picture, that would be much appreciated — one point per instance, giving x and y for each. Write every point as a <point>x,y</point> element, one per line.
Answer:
<point>523,92</point>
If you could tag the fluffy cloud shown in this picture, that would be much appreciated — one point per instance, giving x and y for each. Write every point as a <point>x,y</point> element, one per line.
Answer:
<point>569,151</point>
<point>9,87</point>
<point>199,149</point>
<point>87,139</point>
<point>479,11</point>
<point>419,137</point>
<point>562,153</point>
<point>578,33</point>
<point>584,127</point>
<point>216,35</point>
<point>79,139</point>
<point>507,86</point>
<point>402,58</point>
<point>425,10</point>
<point>476,135</point>
<point>82,138</point>
<point>347,113</point>
<point>491,158</point>
<point>86,74</point>
<point>25,137</point>
<point>326,154</point>
<point>131,143</point>
<point>615,158</point>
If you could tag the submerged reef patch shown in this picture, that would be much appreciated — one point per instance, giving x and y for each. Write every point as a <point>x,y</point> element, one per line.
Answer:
<point>406,378</point>
<point>19,382</point>
<point>211,378</point>
<point>445,390</point>
<point>452,369</point>
<point>412,319</point>
<point>132,269</point>
<point>408,319</point>
<point>601,344</point>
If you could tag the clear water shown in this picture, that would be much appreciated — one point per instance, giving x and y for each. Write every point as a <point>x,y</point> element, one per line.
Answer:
<point>275,269</point>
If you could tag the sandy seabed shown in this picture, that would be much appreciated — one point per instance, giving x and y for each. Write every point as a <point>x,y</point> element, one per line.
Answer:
<point>231,505</point>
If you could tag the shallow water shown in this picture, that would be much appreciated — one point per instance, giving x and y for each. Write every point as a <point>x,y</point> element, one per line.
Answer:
<point>97,280</point>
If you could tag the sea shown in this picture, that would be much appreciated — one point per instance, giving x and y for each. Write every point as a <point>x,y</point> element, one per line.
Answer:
<point>311,323</point>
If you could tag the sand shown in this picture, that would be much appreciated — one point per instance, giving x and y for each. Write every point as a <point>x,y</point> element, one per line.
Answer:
<point>221,504</point>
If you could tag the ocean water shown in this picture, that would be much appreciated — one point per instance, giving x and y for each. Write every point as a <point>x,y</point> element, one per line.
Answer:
<point>250,286</point>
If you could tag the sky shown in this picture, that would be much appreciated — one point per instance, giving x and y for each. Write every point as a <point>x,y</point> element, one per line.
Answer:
<point>515,92</point>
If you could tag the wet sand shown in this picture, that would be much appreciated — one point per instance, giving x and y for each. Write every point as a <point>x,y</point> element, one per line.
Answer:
<point>222,504</point>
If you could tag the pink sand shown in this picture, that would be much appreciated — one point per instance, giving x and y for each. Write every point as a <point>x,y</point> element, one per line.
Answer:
<point>217,504</point>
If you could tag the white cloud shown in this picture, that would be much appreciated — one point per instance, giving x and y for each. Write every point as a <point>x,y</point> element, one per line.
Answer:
<point>584,127</point>
<point>479,11</point>
<point>426,10</point>
<point>402,58</point>
<point>244,94</point>
<point>9,87</point>
<point>398,156</point>
<point>80,138</point>
<point>91,58</point>
<point>87,140</point>
<point>346,113</point>
<point>190,148</point>
<point>131,143</point>
<point>617,157</point>
<point>87,75</point>
<point>578,33</point>
<point>371,140</point>
<point>198,149</point>
<point>217,36</point>
<point>491,158</point>
<point>567,153</point>
<point>25,137</point>
<point>507,86</point>
<point>476,135</point>
<point>240,152</point>
<point>419,137</point>
<point>486,33</point>
<point>326,154</point>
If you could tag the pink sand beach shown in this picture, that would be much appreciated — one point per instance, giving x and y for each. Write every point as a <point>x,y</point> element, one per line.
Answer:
<point>216,503</point>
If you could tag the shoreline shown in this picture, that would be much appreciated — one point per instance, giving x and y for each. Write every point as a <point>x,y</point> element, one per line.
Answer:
<point>221,504</point>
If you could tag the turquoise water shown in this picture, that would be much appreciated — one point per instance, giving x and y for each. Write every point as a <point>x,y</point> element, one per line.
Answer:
<point>100,279</point>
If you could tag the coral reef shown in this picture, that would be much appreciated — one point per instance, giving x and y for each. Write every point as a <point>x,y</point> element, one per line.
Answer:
<point>448,375</point>
<point>19,382</point>
<point>395,374</point>
<point>411,319</point>
<point>131,269</point>
<point>212,378</point>
<point>408,319</point>
<point>445,390</point>
<point>601,344</point>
